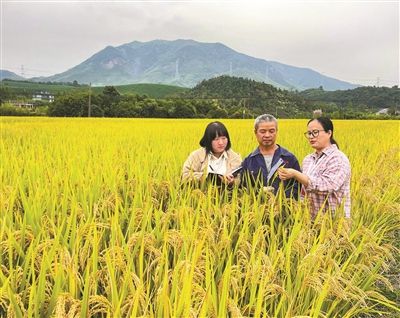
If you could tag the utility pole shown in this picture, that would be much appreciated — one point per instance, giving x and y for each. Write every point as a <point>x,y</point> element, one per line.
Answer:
<point>90,100</point>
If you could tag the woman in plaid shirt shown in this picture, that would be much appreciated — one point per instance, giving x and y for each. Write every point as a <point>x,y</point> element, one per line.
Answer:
<point>326,172</point>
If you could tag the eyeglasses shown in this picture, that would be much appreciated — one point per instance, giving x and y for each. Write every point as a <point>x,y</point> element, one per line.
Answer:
<point>313,133</point>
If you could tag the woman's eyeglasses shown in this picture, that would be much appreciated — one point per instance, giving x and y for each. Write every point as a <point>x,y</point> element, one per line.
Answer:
<point>312,133</point>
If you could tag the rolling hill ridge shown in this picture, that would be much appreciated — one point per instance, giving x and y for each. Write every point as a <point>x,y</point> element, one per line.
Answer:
<point>186,63</point>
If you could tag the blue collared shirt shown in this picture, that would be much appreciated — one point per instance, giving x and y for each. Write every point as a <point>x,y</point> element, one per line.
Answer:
<point>256,173</point>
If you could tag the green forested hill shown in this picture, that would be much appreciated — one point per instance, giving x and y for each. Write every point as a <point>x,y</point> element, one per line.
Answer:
<point>219,97</point>
<point>27,88</point>
<point>240,94</point>
<point>234,87</point>
<point>361,98</point>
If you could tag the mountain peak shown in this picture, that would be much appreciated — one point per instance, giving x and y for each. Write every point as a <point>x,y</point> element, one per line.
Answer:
<point>4,74</point>
<point>186,62</point>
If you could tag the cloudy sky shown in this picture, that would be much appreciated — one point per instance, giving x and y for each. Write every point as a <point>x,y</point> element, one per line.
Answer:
<point>355,41</point>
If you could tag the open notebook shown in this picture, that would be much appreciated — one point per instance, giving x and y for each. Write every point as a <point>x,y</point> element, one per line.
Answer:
<point>215,177</point>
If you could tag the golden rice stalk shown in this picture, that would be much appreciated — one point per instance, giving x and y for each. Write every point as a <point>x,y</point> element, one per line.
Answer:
<point>99,305</point>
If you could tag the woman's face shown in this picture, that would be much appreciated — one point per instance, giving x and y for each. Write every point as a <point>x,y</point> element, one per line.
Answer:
<point>219,144</point>
<point>318,138</point>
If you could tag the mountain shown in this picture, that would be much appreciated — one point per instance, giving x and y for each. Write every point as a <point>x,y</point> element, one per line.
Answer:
<point>4,74</point>
<point>186,63</point>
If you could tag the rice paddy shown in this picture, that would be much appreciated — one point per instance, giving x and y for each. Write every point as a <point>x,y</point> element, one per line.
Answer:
<point>95,223</point>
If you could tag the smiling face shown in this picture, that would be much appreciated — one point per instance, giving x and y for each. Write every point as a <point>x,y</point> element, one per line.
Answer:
<point>318,138</point>
<point>266,134</point>
<point>218,145</point>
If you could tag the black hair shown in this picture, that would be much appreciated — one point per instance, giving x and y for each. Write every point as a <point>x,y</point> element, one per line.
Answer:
<point>327,124</point>
<point>214,130</point>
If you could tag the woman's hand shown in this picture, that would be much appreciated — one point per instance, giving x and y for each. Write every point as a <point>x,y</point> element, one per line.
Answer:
<point>286,173</point>
<point>227,179</point>
<point>289,173</point>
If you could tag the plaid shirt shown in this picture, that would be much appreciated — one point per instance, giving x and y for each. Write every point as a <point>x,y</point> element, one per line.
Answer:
<point>329,175</point>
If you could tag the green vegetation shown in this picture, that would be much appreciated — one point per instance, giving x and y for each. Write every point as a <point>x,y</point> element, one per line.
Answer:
<point>360,102</point>
<point>220,97</point>
<point>8,109</point>
<point>27,88</point>
<point>150,90</point>
<point>361,98</point>
<point>238,95</point>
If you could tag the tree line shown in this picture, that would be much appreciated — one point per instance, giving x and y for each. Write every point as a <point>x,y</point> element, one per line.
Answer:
<point>223,97</point>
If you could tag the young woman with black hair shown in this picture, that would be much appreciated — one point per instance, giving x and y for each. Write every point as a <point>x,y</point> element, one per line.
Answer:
<point>326,172</point>
<point>214,157</point>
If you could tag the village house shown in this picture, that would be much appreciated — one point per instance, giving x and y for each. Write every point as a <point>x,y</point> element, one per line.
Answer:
<point>43,96</point>
<point>22,104</point>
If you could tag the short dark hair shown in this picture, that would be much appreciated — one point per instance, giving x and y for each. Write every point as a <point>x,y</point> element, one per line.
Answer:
<point>327,124</point>
<point>214,130</point>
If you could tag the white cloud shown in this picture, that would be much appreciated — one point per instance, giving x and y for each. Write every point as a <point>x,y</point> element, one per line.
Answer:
<point>354,41</point>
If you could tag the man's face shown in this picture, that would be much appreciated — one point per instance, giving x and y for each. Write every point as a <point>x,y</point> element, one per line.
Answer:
<point>266,133</point>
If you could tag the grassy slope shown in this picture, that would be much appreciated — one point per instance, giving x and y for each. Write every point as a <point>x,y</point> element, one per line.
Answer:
<point>151,90</point>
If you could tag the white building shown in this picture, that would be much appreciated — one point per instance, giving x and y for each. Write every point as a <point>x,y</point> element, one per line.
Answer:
<point>383,111</point>
<point>43,96</point>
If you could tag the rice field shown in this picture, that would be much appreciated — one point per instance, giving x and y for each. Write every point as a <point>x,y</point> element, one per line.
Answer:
<point>94,223</point>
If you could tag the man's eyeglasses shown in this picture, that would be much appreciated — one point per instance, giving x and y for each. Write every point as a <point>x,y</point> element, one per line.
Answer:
<point>312,133</point>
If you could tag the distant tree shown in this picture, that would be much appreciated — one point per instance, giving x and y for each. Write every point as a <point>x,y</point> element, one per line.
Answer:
<point>181,109</point>
<point>149,108</point>
<point>4,94</point>
<point>111,92</point>
<point>392,111</point>
<point>73,105</point>
<point>110,97</point>
<point>8,109</point>
<point>96,111</point>
<point>202,106</point>
<point>217,113</point>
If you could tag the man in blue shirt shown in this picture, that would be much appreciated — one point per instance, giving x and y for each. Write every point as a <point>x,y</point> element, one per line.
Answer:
<point>260,167</point>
